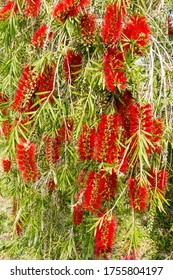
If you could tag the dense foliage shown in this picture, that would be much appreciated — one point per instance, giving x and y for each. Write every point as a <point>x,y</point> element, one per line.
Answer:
<point>86,127</point>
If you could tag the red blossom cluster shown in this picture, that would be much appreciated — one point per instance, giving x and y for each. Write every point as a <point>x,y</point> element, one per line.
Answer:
<point>45,82</point>
<point>133,35</point>
<point>104,237</point>
<point>7,10</point>
<point>158,180</point>
<point>101,144</point>
<point>32,8</point>
<point>138,194</point>
<point>88,27</point>
<point>141,119</point>
<point>113,68</point>
<point>72,65</point>
<point>6,129</point>
<point>69,8</point>
<point>94,189</point>
<point>6,164</point>
<point>78,212</point>
<point>136,33</point>
<point>39,36</point>
<point>54,144</point>
<point>53,148</point>
<point>27,86</point>
<point>112,24</point>
<point>100,187</point>
<point>26,160</point>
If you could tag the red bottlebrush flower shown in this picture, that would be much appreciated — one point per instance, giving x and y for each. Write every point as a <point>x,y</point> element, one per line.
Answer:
<point>141,119</point>
<point>112,24</point>
<point>72,64</point>
<point>45,82</point>
<point>138,195</point>
<point>66,130</point>
<point>6,129</point>
<point>26,160</point>
<point>122,160</point>
<point>53,148</point>
<point>92,197</point>
<point>66,8</point>
<point>19,225</point>
<point>6,164</point>
<point>7,9</point>
<point>86,143</point>
<point>113,67</point>
<point>78,212</point>
<point>107,185</point>
<point>32,8</point>
<point>105,145</point>
<point>39,36</point>
<point>105,234</point>
<point>162,180</point>
<point>26,88</point>
<point>88,27</point>
<point>136,32</point>
<point>134,118</point>
<point>158,180</point>
<point>51,185</point>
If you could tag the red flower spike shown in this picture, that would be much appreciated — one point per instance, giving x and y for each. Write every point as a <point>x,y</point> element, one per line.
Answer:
<point>53,148</point>
<point>6,129</point>
<point>104,238</point>
<point>26,160</point>
<point>68,8</point>
<point>32,8</point>
<point>92,197</point>
<point>45,83</point>
<point>87,143</point>
<point>158,180</point>
<point>6,164</point>
<point>39,36</point>
<point>136,31</point>
<point>138,195</point>
<point>113,67</point>
<point>112,24</point>
<point>27,86</point>
<point>78,212</point>
<point>88,27</point>
<point>72,64</point>
<point>107,185</point>
<point>105,148</point>
<point>7,10</point>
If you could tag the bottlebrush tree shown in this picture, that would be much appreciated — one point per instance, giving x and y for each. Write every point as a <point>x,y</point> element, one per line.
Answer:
<point>86,126</point>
